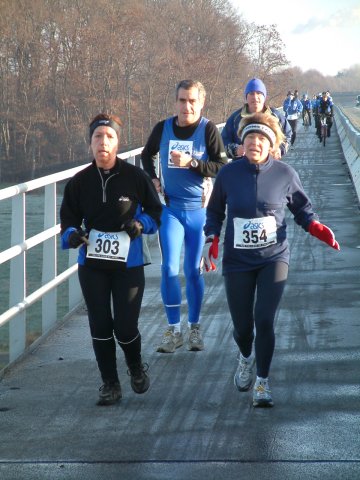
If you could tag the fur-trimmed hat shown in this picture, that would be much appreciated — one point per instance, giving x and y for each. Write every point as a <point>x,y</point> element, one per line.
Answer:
<point>264,123</point>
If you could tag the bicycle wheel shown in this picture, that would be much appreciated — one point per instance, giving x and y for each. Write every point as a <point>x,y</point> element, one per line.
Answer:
<point>324,134</point>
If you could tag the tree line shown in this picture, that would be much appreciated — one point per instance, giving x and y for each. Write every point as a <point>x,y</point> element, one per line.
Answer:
<point>64,61</point>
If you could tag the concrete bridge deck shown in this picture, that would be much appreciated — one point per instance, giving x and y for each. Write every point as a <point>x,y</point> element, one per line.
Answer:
<point>192,423</point>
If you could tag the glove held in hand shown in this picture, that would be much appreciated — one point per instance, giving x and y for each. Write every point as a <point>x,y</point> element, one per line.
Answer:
<point>76,238</point>
<point>323,233</point>
<point>133,228</point>
<point>211,250</point>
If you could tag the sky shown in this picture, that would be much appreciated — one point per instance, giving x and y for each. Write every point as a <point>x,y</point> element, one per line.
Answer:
<point>309,27</point>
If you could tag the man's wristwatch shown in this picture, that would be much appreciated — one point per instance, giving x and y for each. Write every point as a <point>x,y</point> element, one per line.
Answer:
<point>194,163</point>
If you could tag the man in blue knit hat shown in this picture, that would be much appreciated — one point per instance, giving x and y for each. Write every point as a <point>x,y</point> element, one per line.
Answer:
<point>255,96</point>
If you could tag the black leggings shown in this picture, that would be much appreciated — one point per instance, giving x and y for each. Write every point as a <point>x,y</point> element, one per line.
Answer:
<point>253,298</point>
<point>293,125</point>
<point>125,288</point>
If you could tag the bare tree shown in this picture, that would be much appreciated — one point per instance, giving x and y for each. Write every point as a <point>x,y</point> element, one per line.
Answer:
<point>64,61</point>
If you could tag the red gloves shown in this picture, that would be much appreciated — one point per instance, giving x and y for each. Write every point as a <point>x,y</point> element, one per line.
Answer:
<point>210,251</point>
<point>323,233</point>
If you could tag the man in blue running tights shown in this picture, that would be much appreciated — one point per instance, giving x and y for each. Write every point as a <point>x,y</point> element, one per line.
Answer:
<point>191,151</point>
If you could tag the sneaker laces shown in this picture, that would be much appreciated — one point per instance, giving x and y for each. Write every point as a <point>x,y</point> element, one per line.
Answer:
<point>245,366</point>
<point>195,335</point>
<point>262,389</point>
<point>138,370</point>
<point>108,384</point>
<point>167,336</point>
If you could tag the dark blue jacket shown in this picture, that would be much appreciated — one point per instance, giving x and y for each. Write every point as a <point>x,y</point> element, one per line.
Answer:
<point>292,107</point>
<point>325,107</point>
<point>230,136</point>
<point>306,104</point>
<point>245,190</point>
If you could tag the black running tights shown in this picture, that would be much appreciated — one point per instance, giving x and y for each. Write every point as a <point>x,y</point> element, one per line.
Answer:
<point>253,298</point>
<point>124,289</point>
<point>293,125</point>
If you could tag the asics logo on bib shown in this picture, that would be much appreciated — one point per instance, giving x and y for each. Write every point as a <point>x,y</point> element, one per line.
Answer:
<point>253,226</point>
<point>108,236</point>
<point>180,147</point>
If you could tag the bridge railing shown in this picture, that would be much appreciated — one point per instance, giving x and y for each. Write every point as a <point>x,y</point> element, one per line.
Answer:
<point>350,141</point>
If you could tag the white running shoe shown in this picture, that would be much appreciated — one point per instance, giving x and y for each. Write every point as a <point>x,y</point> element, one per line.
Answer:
<point>262,394</point>
<point>170,341</point>
<point>243,377</point>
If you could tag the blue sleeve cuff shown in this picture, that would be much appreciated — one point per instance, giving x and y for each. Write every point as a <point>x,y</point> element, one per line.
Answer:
<point>149,224</point>
<point>65,238</point>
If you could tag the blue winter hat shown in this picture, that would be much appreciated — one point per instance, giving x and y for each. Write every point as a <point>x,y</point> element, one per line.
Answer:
<point>255,85</point>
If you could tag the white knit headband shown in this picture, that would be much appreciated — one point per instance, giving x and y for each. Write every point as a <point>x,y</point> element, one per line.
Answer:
<point>259,128</point>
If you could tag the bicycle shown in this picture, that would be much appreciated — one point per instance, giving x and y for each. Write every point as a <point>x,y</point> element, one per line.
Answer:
<point>323,128</point>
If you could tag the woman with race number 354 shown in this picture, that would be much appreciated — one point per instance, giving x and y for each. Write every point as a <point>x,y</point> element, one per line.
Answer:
<point>253,193</point>
<point>106,208</point>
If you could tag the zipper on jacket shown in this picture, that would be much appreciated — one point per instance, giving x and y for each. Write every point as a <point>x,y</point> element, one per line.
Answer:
<point>257,171</point>
<point>104,183</point>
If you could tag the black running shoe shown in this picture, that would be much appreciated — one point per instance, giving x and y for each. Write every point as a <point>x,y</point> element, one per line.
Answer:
<point>110,393</point>
<point>140,381</point>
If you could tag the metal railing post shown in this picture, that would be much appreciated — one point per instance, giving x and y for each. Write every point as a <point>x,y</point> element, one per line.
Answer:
<point>49,266</point>
<point>17,327</point>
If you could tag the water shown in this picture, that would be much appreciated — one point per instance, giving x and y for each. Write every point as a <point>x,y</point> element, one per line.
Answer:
<point>33,262</point>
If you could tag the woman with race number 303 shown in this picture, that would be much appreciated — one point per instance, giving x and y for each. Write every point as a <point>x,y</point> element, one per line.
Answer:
<point>106,208</point>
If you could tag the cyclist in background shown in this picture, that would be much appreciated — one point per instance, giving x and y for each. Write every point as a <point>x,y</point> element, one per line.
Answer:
<point>314,104</point>
<point>325,107</point>
<point>306,103</point>
<point>292,108</point>
<point>316,112</point>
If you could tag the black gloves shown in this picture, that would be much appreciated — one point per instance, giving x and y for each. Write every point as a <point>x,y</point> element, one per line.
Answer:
<point>77,238</point>
<point>133,228</point>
